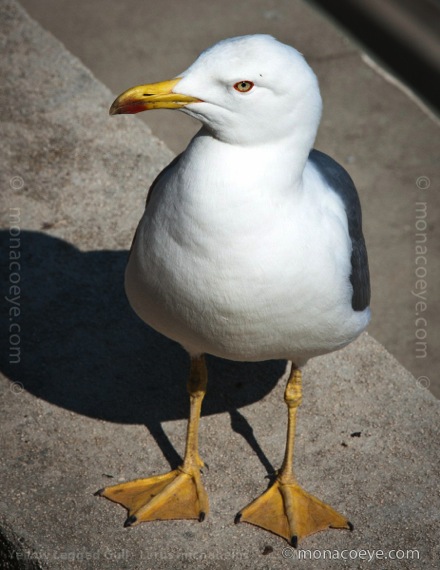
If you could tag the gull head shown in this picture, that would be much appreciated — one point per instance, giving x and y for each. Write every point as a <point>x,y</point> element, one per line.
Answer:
<point>246,90</point>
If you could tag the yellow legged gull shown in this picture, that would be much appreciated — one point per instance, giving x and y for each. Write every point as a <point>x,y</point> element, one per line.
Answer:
<point>250,248</point>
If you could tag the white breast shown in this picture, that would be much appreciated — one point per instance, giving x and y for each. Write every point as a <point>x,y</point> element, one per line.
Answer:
<point>233,265</point>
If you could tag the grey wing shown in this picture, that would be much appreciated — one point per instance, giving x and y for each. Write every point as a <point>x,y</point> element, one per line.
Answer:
<point>339,180</point>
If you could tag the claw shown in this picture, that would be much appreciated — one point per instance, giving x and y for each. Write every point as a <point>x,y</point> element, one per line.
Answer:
<point>130,521</point>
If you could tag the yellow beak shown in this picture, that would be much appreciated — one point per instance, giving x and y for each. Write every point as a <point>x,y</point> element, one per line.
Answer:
<point>151,96</point>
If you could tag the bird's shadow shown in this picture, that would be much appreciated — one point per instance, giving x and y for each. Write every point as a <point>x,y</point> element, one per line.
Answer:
<point>82,348</point>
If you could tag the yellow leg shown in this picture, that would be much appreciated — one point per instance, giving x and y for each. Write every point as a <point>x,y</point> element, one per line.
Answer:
<point>285,508</point>
<point>178,494</point>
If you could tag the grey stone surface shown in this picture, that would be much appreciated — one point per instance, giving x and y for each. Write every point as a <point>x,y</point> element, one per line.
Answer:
<point>95,396</point>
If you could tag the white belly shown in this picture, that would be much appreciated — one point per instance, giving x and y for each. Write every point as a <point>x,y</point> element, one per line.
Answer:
<point>241,279</point>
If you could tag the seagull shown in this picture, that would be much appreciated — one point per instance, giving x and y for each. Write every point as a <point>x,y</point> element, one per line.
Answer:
<point>250,248</point>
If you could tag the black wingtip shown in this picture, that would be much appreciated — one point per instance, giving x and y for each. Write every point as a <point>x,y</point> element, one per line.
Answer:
<point>99,492</point>
<point>130,521</point>
<point>294,541</point>
<point>350,526</point>
<point>237,518</point>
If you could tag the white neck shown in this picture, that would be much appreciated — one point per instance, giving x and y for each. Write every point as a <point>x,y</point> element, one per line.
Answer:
<point>277,163</point>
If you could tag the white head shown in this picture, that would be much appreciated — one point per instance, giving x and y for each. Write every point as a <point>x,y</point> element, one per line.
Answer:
<point>245,90</point>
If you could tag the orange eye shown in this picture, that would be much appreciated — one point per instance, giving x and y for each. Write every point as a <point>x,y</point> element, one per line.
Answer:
<point>243,86</point>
